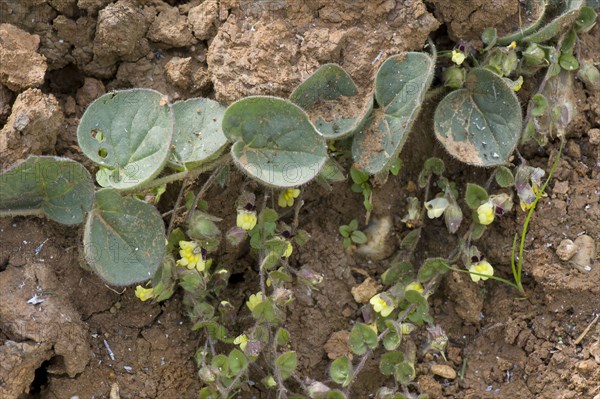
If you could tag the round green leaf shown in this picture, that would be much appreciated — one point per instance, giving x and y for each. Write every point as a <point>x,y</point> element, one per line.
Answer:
<point>128,133</point>
<point>124,239</point>
<point>480,124</point>
<point>332,101</point>
<point>60,188</point>
<point>362,337</point>
<point>340,370</point>
<point>198,137</point>
<point>287,363</point>
<point>400,86</point>
<point>504,177</point>
<point>274,141</point>
<point>388,362</point>
<point>475,195</point>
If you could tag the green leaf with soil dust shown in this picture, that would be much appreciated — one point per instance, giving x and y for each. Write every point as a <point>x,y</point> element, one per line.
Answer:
<point>333,102</point>
<point>124,239</point>
<point>128,134</point>
<point>560,24</point>
<point>400,86</point>
<point>198,137</point>
<point>60,188</point>
<point>480,124</point>
<point>274,141</point>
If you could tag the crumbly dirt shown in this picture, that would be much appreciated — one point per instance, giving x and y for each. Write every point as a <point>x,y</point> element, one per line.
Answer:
<point>76,337</point>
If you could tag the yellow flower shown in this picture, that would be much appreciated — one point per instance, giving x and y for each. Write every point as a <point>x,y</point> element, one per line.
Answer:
<point>518,84</point>
<point>191,256</point>
<point>286,197</point>
<point>382,304</point>
<point>288,250</point>
<point>458,57</point>
<point>538,193</point>
<point>241,340</point>
<point>436,207</point>
<point>486,213</point>
<point>414,286</point>
<point>512,45</point>
<point>144,293</point>
<point>246,219</point>
<point>254,300</point>
<point>481,267</point>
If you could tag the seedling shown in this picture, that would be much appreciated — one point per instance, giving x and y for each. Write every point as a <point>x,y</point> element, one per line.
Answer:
<point>351,234</point>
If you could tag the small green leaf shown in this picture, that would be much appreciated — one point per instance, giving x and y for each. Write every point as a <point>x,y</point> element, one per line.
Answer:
<point>431,267</point>
<point>489,38</point>
<point>198,137</point>
<point>396,271</point>
<point>353,225</point>
<point>434,165</point>
<point>410,241</point>
<point>60,188</point>
<point>208,393</point>
<point>540,104</point>
<point>282,337</point>
<point>393,338</point>
<point>568,62</point>
<point>400,86</point>
<point>361,338</point>
<point>586,19</point>
<point>128,134</point>
<point>475,195</point>
<point>340,371</point>
<point>358,176</point>
<point>329,96</point>
<point>287,363</point>
<point>404,373</point>
<point>480,124</point>
<point>123,239</point>
<point>504,177</point>
<point>345,231</point>
<point>358,237</point>
<point>237,362</point>
<point>335,394</point>
<point>389,361</point>
<point>264,312</point>
<point>477,231</point>
<point>274,141</point>
<point>221,363</point>
<point>395,166</point>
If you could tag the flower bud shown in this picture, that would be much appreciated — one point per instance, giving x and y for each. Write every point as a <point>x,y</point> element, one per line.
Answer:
<point>454,77</point>
<point>207,374</point>
<point>534,55</point>
<point>453,217</point>
<point>282,296</point>
<point>310,276</point>
<point>318,390</point>
<point>236,235</point>
<point>589,75</point>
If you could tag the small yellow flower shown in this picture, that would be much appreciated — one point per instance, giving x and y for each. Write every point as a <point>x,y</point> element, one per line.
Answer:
<point>512,45</point>
<point>458,57</point>
<point>191,256</point>
<point>481,267</point>
<point>241,340</point>
<point>486,213</point>
<point>246,219</point>
<point>288,250</point>
<point>414,286</point>
<point>538,193</point>
<point>436,207</point>
<point>286,197</point>
<point>144,293</point>
<point>382,305</point>
<point>254,300</point>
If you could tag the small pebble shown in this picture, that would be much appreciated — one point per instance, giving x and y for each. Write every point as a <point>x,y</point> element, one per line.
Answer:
<point>566,249</point>
<point>586,253</point>
<point>443,371</point>
<point>586,366</point>
<point>594,135</point>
